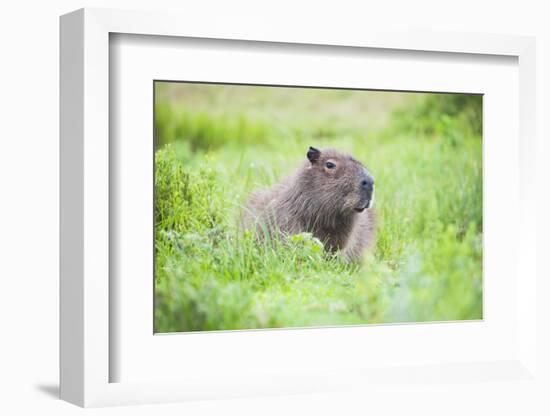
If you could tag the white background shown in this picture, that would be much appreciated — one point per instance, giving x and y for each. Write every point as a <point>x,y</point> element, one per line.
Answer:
<point>29,205</point>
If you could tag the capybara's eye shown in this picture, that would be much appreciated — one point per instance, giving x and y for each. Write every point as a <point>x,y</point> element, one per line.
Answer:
<point>330,165</point>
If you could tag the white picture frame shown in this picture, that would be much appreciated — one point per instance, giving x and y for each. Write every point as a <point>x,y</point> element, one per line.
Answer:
<point>86,353</point>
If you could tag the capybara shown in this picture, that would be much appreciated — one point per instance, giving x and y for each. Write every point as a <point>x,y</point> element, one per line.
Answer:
<point>330,196</point>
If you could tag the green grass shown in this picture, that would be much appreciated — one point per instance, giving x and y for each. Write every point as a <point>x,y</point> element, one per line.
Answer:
<point>217,143</point>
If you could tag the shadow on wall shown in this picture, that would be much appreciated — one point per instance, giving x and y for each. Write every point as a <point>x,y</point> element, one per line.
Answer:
<point>51,390</point>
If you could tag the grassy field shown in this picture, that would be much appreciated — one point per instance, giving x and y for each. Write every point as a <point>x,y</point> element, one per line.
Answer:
<point>217,143</point>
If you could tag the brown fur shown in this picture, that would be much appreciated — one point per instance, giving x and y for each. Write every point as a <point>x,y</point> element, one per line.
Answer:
<point>321,199</point>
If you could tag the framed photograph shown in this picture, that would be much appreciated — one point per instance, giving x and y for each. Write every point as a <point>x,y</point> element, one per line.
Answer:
<point>258,212</point>
<point>238,245</point>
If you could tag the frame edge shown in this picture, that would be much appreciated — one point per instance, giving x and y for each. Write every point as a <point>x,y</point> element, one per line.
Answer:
<point>71,202</point>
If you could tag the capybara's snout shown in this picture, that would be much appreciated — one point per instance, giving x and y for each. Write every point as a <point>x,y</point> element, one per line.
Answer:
<point>366,189</point>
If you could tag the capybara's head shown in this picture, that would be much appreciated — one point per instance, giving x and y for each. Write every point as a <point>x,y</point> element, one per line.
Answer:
<point>336,182</point>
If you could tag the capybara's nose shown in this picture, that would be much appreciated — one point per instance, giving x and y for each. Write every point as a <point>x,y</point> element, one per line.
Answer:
<point>368,185</point>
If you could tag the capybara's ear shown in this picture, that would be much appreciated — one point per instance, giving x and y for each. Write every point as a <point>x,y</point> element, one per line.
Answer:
<point>313,154</point>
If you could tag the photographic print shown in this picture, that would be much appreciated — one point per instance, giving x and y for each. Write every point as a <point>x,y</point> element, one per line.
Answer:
<point>283,206</point>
